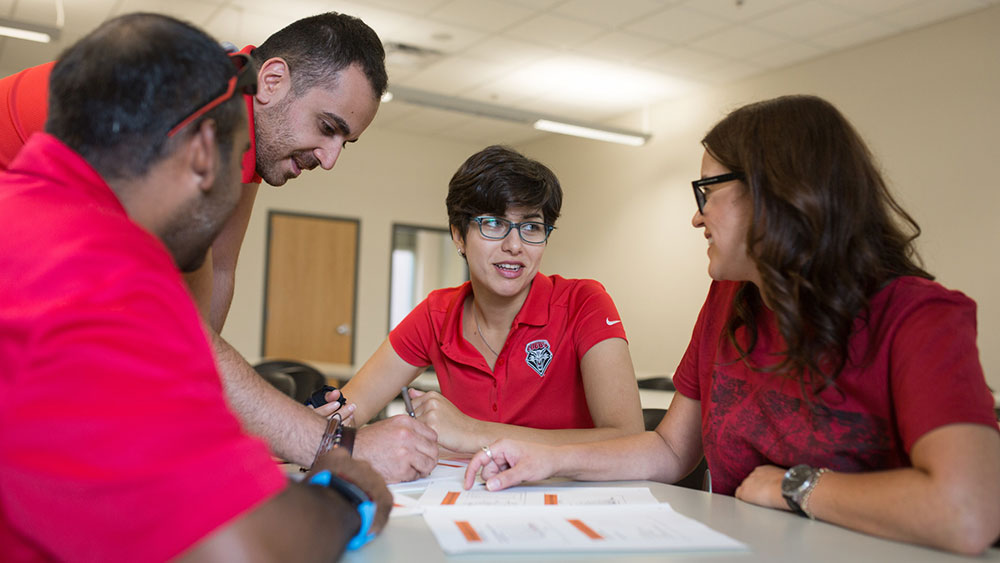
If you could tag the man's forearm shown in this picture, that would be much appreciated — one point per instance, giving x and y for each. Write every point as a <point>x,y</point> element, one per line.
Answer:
<point>291,430</point>
<point>300,523</point>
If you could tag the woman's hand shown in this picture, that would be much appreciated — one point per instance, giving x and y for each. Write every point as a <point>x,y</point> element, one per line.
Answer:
<point>763,486</point>
<point>455,430</point>
<point>333,405</point>
<point>507,463</point>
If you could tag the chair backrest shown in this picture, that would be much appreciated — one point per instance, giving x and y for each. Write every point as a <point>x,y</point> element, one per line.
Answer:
<point>659,382</point>
<point>305,378</point>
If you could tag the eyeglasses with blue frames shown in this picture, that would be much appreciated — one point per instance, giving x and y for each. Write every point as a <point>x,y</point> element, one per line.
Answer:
<point>244,81</point>
<point>496,228</point>
<point>701,196</point>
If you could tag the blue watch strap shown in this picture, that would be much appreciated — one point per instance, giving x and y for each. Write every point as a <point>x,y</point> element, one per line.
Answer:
<point>357,497</point>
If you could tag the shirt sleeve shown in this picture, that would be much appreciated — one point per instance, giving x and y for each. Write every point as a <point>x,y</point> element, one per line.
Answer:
<point>936,376</point>
<point>595,317</point>
<point>117,440</point>
<point>414,336</point>
<point>697,357</point>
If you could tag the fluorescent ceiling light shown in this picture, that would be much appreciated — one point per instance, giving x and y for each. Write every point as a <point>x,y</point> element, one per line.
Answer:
<point>29,31</point>
<point>635,140</point>
<point>542,122</point>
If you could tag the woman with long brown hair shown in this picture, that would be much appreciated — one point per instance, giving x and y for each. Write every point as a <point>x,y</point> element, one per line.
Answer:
<point>828,374</point>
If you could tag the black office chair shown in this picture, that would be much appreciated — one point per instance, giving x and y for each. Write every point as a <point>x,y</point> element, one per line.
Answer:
<point>304,378</point>
<point>659,383</point>
<point>699,478</point>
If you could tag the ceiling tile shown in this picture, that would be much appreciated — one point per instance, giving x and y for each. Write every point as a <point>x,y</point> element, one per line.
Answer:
<point>868,7</point>
<point>805,19</point>
<point>243,28</point>
<point>861,32</point>
<point>554,31</point>
<point>686,62</point>
<point>418,7</point>
<point>434,35</point>
<point>451,76</point>
<point>737,42</point>
<point>730,10</point>
<point>927,12</point>
<point>482,15</point>
<point>604,13</point>
<point>730,72</point>
<point>536,4</point>
<point>509,52</point>
<point>677,25</point>
<point>621,46</point>
<point>190,10</point>
<point>787,53</point>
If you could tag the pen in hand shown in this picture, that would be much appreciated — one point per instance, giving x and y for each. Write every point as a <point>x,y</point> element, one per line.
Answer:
<point>406,401</point>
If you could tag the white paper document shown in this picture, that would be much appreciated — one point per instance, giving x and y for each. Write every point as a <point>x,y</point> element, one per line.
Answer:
<point>449,470</point>
<point>566,528</point>
<point>452,494</point>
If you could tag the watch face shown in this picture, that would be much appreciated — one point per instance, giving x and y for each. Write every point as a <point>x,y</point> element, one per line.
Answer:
<point>795,479</point>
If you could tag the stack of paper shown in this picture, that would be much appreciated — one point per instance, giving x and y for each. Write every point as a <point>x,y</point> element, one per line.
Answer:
<point>536,519</point>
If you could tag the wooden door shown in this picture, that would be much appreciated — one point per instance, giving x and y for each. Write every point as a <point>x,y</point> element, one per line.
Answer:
<point>309,297</point>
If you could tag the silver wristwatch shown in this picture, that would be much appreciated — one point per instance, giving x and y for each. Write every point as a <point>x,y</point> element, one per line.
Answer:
<point>797,484</point>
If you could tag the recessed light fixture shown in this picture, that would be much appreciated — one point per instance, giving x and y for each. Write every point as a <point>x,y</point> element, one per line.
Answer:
<point>542,122</point>
<point>33,31</point>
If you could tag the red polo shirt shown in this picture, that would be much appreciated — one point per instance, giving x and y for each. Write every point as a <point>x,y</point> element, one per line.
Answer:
<point>536,380</point>
<point>116,443</point>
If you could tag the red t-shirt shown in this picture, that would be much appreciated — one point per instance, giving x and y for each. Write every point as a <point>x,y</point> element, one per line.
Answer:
<point>24,99</point>
<point>536,381</point>
<point>924,373</point>
<point>116,443</point>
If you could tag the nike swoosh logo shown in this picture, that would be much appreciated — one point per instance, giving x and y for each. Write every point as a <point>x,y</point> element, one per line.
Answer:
<point>611,322</point>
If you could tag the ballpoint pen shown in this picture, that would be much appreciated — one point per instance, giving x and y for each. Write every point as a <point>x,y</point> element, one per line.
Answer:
<point>406,401</point>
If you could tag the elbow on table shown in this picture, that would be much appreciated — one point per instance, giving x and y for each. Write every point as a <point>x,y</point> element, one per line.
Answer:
<point>974,531</point>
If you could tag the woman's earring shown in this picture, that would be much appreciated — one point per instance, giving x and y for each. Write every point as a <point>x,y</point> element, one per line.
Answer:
<point>460,253</point>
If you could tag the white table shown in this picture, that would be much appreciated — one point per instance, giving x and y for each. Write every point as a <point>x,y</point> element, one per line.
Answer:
<point>773,536</point>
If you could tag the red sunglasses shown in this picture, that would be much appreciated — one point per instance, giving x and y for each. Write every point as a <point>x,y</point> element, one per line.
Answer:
<point>245,81</point>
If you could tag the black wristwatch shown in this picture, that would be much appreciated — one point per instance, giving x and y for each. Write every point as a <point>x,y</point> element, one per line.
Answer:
<point>796,486</point>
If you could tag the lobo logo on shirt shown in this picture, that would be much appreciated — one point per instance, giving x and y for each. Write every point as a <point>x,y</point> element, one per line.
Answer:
<point>539,356</point>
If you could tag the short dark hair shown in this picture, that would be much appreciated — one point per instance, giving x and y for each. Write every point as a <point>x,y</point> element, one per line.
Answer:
<point>115,94</point>
<point>496,178</point>
<point>318,47</point>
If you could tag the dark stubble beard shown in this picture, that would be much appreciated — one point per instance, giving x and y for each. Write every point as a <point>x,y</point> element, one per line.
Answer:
<point>270,127</point>
<point>194,227</point>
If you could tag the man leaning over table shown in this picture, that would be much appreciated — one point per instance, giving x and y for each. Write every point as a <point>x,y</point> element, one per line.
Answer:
<point>320,81</point>
<point>145,461</point>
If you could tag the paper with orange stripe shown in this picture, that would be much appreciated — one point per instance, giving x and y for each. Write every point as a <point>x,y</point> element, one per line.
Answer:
<point>452,494</point>
<point>569,528</point>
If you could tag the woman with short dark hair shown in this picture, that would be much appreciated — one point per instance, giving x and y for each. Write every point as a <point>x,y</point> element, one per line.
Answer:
<point>517,353</point>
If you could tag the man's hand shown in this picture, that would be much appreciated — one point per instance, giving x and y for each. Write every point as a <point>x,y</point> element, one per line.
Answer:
<point>400,448</point>
<point>456,431</point>
<point>340,463</point>
<point>510,463</point>
<point>763,486</point>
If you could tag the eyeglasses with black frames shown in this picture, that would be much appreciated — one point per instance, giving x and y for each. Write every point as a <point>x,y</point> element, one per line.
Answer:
<point>244,81</point>
<point>496,228</point>
<point>701,196</point>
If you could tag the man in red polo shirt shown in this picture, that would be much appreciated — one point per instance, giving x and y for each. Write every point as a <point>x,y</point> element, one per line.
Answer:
<point>100,212</point>
<point>298,121</point>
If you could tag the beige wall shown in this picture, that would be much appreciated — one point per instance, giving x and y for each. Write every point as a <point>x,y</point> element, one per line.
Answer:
<point>927,101</point>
